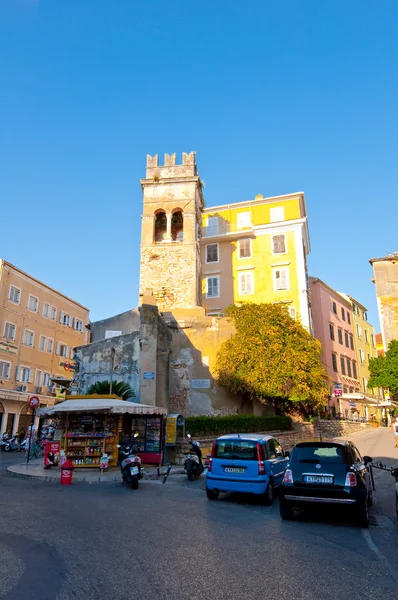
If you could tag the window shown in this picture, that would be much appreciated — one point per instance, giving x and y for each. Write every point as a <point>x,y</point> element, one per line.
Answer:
<point>277,214</point>
<point>345,389</point>
<point>24,374</point>
<point>14,295</point>
<point>372,338</point>
<point>160,226</point>
<point>28,337</point>
<point>9,331</point>
<point>212,226</point>
<point>281,279</point>
<point>364,384</point>
<point>278,244</point>
<point>245,248</point>
<point>50,345</point>
<point>46,379</point>
<point>348,318</point>
<point>38,377</point>
<point>346,339</point>
<point>361,356</point>
<point>334,308</point>
<point>342,365</point>
<point>33,303</point>
<point>71,353</point>
<point>368,358</point>
<point>78,325</point>
<point>212,287</point>
<point>351,341</point>
<point>343,313</point>
<point>366,336</point>
<point>351,390</point>
<point>42,343</point>
<point>349,372</point>
<point>64,318</point>
<point>292,312</point>
<point>177,226</point>
<point>331,332</point>
<point>359,330</point>
<point>46,310</point>
<point>53,313</point>
<point>334,361</point>
<point>5,368</point>
<point>212,253</point>
<point>364,315</point>
<point>244,220</point>
<point>246,283</point>
<point>236,449</point>
<point>340,336</point>
<point>61,349</point>
<point>354,369</point>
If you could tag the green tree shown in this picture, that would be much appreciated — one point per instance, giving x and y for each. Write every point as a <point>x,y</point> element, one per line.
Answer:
<point>120,388</point>
<point>384,370</point>
<point>272,358</point>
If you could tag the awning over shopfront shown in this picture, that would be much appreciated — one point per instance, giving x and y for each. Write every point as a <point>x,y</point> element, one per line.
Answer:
<point>359,398</point>
<point>103,405</point>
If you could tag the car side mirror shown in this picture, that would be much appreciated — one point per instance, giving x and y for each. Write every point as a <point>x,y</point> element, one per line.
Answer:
<point>367,459</point>
<point>287,454</point>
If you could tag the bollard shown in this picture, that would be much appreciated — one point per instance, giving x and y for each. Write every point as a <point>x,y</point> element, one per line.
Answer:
<point>67,473</point>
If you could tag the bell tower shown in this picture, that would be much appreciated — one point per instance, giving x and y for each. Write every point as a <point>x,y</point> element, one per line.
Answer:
<point>171,226</point>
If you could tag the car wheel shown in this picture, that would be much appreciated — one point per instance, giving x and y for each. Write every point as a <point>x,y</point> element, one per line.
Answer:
<point>211,494</point>
<point>285,509</point>
<point>363,514</point>
<point>269,494</point>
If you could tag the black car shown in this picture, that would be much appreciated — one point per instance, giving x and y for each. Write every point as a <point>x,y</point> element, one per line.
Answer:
<point>330,473</point>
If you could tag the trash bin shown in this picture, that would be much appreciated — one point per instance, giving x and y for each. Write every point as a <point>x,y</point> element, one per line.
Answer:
<point>66,473</point>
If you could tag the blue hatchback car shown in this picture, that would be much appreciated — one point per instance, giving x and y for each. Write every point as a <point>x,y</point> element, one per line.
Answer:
<point>247,463</point>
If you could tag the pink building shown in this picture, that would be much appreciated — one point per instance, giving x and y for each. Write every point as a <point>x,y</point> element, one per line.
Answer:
<point>333,327</point>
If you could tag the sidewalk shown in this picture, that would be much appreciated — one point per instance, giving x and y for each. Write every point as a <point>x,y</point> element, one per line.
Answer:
<point>35,470</point>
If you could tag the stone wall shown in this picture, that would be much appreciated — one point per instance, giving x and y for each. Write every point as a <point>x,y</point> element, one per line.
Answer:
<point>126,322</point>
<point>288,439</point>
<point>386,280</point>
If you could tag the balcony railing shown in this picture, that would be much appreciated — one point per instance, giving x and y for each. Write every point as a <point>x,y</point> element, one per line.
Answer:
<point>224,229</point>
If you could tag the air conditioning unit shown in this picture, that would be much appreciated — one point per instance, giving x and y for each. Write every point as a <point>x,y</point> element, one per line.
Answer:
<point>22,388</point>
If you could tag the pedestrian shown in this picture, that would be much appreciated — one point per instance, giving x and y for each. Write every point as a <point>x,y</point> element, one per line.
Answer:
<point>21,435</point>
<point>395,430</point>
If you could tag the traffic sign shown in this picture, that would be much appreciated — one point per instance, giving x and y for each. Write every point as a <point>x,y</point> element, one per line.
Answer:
<point>34,401</point>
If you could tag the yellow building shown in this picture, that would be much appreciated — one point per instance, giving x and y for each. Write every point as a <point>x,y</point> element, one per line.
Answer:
<point>256,251</point>
<point>38,329</point>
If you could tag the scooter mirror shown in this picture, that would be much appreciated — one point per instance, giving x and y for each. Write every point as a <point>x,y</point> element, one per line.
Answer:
<point>189,436</point>
<point>117,445</point>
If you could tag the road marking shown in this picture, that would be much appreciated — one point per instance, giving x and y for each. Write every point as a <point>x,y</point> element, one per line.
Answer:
<point>372,546</point>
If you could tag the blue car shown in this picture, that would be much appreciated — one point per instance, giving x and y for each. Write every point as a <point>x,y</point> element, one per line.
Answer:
<point>247,463</point>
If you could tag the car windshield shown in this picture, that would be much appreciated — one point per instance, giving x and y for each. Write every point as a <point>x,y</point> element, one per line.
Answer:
<point>236,449</point>
<point>328,454</point>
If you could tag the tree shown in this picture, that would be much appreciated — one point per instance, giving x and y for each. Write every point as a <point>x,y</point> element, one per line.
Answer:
<point>272,358</point>
<point>119,388</point>
<point>384,370</point>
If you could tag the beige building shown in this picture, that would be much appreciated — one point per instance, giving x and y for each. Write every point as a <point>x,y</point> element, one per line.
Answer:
<point>386,282</point>
<point>38,329</point>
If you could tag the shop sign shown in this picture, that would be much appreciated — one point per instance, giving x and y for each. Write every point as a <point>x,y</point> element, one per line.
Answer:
<point>8,349</point>
<point>337,390</point>
<point>352,404</point>
<point>171,428</point>
<point>149,375</point>
<point>200,383</point>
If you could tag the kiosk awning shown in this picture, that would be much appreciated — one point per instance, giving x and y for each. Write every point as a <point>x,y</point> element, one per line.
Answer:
<point>103,405</point>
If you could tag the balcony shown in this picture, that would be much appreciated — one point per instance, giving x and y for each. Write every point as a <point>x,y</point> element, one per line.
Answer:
<point>227,230</point>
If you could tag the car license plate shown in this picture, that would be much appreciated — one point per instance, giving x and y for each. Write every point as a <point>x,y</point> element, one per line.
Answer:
<point>318,479</point>
<point>234,470</point>
<point>134,470</point>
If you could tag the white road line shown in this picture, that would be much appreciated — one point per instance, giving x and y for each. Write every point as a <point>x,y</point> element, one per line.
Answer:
<point>372,546</point>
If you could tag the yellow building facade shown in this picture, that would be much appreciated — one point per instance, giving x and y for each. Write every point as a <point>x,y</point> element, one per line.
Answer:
<point>39,327</point>
<point>256,251</point>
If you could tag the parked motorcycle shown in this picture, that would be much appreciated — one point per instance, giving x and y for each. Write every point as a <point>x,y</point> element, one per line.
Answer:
<point>130,463</point>
<point>9,444</point>
<point>193,465</point>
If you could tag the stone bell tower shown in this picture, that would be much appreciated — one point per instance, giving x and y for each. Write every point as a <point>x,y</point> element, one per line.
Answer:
<point>171,225</point>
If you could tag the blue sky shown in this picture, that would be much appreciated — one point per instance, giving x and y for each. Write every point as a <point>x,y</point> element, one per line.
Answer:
<point>274,96</point>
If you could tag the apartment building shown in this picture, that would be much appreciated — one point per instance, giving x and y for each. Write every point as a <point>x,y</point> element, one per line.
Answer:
<point>39,327</point>
<point>333,327</point>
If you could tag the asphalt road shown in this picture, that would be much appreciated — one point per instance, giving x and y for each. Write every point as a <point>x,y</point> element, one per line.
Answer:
<point>169,542</point>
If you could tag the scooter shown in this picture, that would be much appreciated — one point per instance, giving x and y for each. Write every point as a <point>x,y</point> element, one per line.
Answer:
<point>130,464</point>
<point>193,465</point>
<point>9,444</point>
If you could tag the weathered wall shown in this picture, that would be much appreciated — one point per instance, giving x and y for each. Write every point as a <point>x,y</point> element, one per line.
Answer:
<point>386,281</point>
<point>126,322</point>
<point>94,362</point>
<point>193,389</point>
